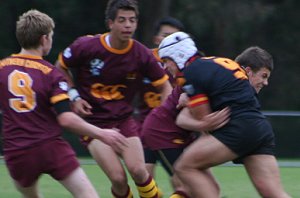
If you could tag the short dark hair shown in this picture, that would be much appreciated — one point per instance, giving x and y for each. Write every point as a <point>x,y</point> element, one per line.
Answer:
<point>171,22</point>
<point>255,58</point>
<point>114,5</point>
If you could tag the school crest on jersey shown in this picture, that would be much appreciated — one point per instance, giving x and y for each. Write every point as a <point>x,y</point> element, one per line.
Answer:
<point>95,66</point>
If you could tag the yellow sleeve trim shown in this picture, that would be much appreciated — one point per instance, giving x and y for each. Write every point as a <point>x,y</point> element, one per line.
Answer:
<point>155,53</point>
<point>160,81</point>
<point>59,98</point>
<point>61,61</point>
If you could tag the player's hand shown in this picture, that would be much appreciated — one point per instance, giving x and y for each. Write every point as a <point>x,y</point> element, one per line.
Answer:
<point>114,139</point>
<point>182,101</point>
<point>216,120</point>
<point>82,107</point>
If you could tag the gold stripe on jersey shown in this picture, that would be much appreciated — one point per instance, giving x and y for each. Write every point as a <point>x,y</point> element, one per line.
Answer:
<point>61,61</point>
<point>155,53</point>
<point>59,98</point>
<point>27,56</point>
<point>198,100</point>
<point>178,141</point>
<point>160,81</point>
<point>180,81</point>
<point>25,63</point>
<point>113,50</point>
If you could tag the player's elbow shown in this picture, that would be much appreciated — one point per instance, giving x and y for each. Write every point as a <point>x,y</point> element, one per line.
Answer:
<point>66,119</point>
<point>179,121</point>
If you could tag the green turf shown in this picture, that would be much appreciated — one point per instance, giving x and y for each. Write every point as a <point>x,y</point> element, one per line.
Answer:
<point>233,180</point>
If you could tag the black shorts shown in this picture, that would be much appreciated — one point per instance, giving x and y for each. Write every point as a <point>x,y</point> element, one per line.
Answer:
<point>166,157</point>
<point>248,136</point>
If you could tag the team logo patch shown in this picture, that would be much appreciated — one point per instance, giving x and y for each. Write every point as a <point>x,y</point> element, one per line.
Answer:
<point>95,66</point>
<point>189,89</point>
<point>67,53</point>
<point>64,86</point>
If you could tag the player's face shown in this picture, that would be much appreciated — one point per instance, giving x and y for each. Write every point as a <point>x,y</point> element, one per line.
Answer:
<point>47,43</point>
<point>164,31</point>
<point>171,66</point>
<point>124,25</point>
<point>259,79</point>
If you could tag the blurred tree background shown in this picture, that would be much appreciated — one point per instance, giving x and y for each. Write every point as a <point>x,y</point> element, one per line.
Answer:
<point>220,27</point>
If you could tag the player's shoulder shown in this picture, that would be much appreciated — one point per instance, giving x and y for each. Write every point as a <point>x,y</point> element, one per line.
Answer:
<point>211,63</point>
<point>46,67</point>
<point>82,44</point>
<point>141,47</point>
<point>86,39</point>
<point>201,63</point>
<point>201,68</point>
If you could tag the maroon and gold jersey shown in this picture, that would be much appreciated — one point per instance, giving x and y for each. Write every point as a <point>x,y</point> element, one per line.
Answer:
<point>29,87</point>
<point>150,97</point>
<point>107,78</point>
<point>159,129</point>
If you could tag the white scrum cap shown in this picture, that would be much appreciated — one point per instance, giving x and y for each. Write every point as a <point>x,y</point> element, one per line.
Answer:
<point>179,47</point>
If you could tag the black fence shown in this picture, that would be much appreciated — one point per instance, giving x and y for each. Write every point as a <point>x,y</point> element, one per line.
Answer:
<point>286,125</point>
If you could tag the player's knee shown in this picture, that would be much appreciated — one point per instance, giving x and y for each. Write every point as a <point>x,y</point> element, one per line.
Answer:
<point>179,168</point>
<point>119,179</point>
<point>138,172</point>
<point>176,183</point>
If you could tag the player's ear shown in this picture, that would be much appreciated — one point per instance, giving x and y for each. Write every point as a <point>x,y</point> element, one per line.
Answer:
<point>248,70</point>
<point>156,40</point>
<point>109,23</point>
<point>43,39</point>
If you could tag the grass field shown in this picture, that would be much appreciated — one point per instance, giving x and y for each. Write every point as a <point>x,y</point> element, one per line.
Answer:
<point>233,180</point>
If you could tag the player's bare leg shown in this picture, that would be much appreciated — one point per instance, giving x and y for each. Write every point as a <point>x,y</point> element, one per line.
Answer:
<point>110,163</point>
<point>151,169</point>
<point>30,191</point>
<point>193,166</point>
<point>264,173</point>
<point>133,157</point>
<point>79,185</point>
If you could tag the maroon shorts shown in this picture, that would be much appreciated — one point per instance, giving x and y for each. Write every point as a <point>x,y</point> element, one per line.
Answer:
<point>128,127</point>
<point>159,131</point>
<point>55,158</point>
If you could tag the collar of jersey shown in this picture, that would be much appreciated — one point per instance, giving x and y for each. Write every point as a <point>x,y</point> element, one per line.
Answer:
<point>113,50</point>
<point>27,56</point>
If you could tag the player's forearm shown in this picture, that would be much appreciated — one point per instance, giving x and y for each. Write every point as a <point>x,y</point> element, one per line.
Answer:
<point>186,121</point>
<point>76,124</point>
